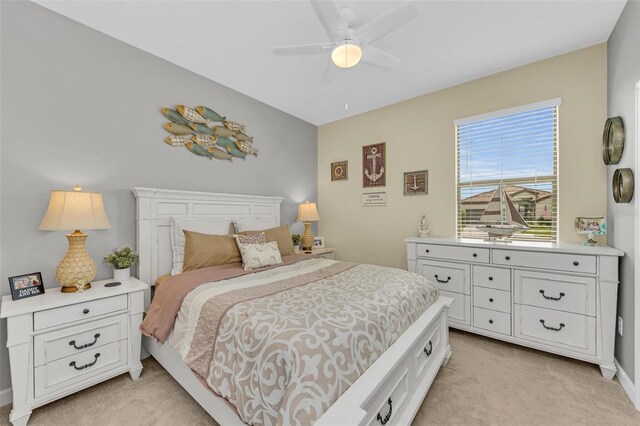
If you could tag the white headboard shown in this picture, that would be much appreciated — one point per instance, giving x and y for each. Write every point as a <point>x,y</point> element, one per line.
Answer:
<point>155,207</point>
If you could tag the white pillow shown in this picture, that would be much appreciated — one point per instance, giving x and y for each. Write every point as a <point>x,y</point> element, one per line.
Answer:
<point>259,255</point>
<point>255,223</point>
<point>204,226</point>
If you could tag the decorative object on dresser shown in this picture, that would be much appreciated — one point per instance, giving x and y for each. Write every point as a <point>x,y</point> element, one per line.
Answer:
<point>121,260</point>
<point>307,213</point>
<point>60,344</point>
<point>340,170</point>
<point>560,298</point>
<point>69,211</point>
<point>373,165</point>
<point>423,226</point>
<point>623,185</point>
<point>592,226</point>
<point>613,140</point>
<point>416,183</point>
<point>23,286</point>
<point>501,218</point>
<point>206,133</point>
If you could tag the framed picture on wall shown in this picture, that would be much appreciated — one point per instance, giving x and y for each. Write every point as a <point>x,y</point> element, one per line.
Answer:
<point>340,170</point>
<point>374,173</point>
<point>416,183</point>
<point>23,286</point>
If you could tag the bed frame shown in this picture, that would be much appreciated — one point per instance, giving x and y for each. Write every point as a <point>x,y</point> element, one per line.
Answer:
<point>389,392</point>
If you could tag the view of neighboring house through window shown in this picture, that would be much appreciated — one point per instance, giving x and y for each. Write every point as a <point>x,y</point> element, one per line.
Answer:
<point>518,149</point>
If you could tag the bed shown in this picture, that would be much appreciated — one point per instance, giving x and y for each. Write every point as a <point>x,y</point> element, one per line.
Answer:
<point>394,379</point>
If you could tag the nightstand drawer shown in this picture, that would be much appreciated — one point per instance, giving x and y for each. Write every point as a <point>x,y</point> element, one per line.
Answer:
<point>79,367</point>
<point>90,335</point>
<point>78,311</point>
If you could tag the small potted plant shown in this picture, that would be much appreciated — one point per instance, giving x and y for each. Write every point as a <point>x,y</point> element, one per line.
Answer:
<point>121,260</point>
<point>296,241</point>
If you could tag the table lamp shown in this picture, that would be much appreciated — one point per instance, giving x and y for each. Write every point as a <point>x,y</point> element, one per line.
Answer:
<point>71,211</point>
<point>307,213</point>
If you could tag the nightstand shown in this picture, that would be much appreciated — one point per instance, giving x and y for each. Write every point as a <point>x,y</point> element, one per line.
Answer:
<point>60,343</point>
<point>326,252</point>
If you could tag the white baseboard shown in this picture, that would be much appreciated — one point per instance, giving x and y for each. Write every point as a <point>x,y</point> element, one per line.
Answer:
<point>6,397</point>
<point>627,384</point>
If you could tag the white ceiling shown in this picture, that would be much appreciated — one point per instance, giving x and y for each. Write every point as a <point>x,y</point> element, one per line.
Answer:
<point>450,42</point>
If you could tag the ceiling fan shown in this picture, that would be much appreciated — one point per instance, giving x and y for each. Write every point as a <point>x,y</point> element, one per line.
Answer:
<point>350,44</point>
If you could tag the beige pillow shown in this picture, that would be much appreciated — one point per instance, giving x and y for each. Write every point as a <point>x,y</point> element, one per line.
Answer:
<point>204,250</point>
<point>256,256</point>
<point>280,235</point>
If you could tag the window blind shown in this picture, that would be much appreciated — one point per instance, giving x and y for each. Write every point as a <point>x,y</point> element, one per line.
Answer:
<point>517,148</point>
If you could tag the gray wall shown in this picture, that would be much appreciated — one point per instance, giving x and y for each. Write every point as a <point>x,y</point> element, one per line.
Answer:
<point>623,74</point>
<point>79,107</point>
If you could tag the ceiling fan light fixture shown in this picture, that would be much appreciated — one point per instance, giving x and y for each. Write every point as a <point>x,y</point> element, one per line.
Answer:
<point>346,55</point>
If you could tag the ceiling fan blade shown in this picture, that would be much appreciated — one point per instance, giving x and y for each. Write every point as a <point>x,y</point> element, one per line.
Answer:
<point>329,72</point>
<point>303,49</point>
<point>388,22</point>
<point>374,56</point>
<point>330,18</point>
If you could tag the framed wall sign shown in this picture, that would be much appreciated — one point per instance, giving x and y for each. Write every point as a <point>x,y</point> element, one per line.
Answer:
<point>374,199</point>
<point>373,165</point>
<point>23,286</point>
<point>416,183</point>
<point>340,170</point>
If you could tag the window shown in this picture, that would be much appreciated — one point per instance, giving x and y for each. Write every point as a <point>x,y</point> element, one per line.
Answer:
<point>517,148</point>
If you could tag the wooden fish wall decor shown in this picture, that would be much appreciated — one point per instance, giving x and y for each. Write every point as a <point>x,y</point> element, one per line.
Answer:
<point>208,134</point>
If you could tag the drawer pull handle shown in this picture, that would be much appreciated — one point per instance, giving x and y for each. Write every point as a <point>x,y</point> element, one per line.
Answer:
<point>551,328</point>
<point>491,299</point>
<point>73,363</point>
<point>560,296</point>
<point>430,350</point>
<point>475,254</point>
<point>388,416</point>
<point>508,257</point>
<point>490,278</point>
<point>442,281</point>
<point>95,339</point>
<point>426,251</point>
<point>576,263</point>
<point>85,311</point>
<point>490,321</point>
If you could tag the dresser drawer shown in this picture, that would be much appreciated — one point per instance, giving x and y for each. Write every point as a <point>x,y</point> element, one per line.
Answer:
<point>489,298</point>
<point>78,311</point>
<point>495,321</point>
<point>555,291</point>
<point>460,310</point>
<point>453,277</point>
<point>76,368</point>
<point>84,337</point>
<point>574,332</point>
<point>426,350</point>
<point>467,254</point>
<point>389,402</point>
<point>558,261</point>
<point>486,276</point>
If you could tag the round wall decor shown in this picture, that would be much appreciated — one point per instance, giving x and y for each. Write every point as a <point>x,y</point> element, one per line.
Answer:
<point>613,140</point>
<point>623,185</point>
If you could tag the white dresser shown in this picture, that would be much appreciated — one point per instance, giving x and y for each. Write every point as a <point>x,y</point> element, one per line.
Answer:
<point>60,343</point>
<point>558,298</point>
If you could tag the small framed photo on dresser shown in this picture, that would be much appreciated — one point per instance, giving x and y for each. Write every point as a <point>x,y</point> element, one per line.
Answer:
<point>23,286</point>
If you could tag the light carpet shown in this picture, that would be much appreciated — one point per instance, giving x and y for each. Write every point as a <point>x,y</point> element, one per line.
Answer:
<point>487,382</point>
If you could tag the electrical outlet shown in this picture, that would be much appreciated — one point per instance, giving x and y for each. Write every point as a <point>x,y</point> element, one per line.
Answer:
<point>620,326</point>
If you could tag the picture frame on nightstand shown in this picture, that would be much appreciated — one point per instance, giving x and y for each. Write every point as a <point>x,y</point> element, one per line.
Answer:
<point>28,285</point>
<point>318,242</point>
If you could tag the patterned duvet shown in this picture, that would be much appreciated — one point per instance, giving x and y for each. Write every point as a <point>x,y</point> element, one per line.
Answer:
<point>282,345</point>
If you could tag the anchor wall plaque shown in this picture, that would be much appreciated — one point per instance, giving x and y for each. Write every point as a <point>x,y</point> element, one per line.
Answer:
<point>416,183</point>
<point>373,165</point>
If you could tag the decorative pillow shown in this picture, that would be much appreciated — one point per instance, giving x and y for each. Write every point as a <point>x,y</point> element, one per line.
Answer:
<point>259,255</point>
<point>281,235</point>
<point>204,250</point>
<point>204,226</point>
<point>258,238</point>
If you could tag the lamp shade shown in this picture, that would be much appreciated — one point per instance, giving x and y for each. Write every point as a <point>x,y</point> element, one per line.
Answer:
<point>308,212</point>
<point>71,210</point>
